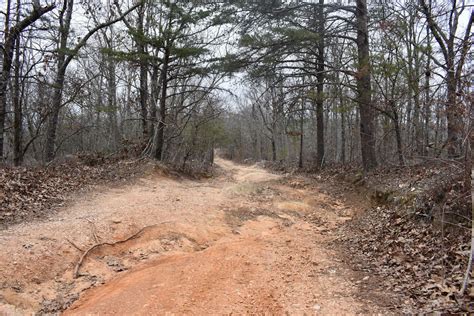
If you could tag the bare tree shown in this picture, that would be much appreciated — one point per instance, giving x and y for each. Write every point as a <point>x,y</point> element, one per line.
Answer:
<point>11,35</point>
<point>64,57</point>
<point>454,50</point>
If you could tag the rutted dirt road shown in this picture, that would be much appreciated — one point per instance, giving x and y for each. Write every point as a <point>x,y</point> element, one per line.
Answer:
<point>245,242</point>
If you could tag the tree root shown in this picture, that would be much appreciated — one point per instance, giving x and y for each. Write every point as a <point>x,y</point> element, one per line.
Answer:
<point>88,251</point>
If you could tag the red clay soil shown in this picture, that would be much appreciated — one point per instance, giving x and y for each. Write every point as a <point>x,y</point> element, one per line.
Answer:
<point>245,242</point>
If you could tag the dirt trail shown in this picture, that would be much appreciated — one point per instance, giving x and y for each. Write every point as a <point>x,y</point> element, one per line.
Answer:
<point>246,242</point>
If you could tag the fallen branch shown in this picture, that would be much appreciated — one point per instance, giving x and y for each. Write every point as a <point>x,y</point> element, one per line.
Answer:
<point>88,251</point>
<point>74,245</point>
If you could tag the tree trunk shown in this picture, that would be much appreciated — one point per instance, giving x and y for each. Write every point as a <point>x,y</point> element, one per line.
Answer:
<point>417,135</point>
<point>143,98</point>
<point>143,73</point>
<point>160,130</point>
<point>54,114</point>
<point>65,17</point>
<point>454,117</point>
<point>255,135</point>
<point>8,48</point>
<point>398,135</point>
<point>274,150</point>
<point>343,127</point>
<point>320,87</point>
<point>211,154</point>
<point>154,97</point>
<point>364,89</point>
<point>301,153</point>
<point>112,103</point>
<point>17,105</point>
<point>427,100</point>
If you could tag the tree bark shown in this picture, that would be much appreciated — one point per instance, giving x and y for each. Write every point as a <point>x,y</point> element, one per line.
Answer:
<point>274,150</point>
<point>320,87</point>
<point>154,97</point>
<point>454,117</point>
<point>160,130</point>
<point>143,73</point>
<point>364,89</point>
<point>112,103</point>
<point>427,101</point>
<point>342,109</point>
<point>398,135</point>
<point>301,153</point>
<point>17,103</point>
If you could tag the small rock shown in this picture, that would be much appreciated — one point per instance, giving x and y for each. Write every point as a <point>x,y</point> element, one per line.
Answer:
<point>115,264</point>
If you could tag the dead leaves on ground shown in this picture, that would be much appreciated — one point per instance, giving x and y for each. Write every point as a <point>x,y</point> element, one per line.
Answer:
<point>417,253</point>
<point>32,192</point>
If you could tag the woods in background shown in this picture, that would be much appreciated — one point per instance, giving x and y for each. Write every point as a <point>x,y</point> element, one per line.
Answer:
<point>371,87</point>
<point>317,82</point>
<point>108,76</point>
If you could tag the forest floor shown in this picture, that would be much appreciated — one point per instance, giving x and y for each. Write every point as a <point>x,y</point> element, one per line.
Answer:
<point>246,241</point>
